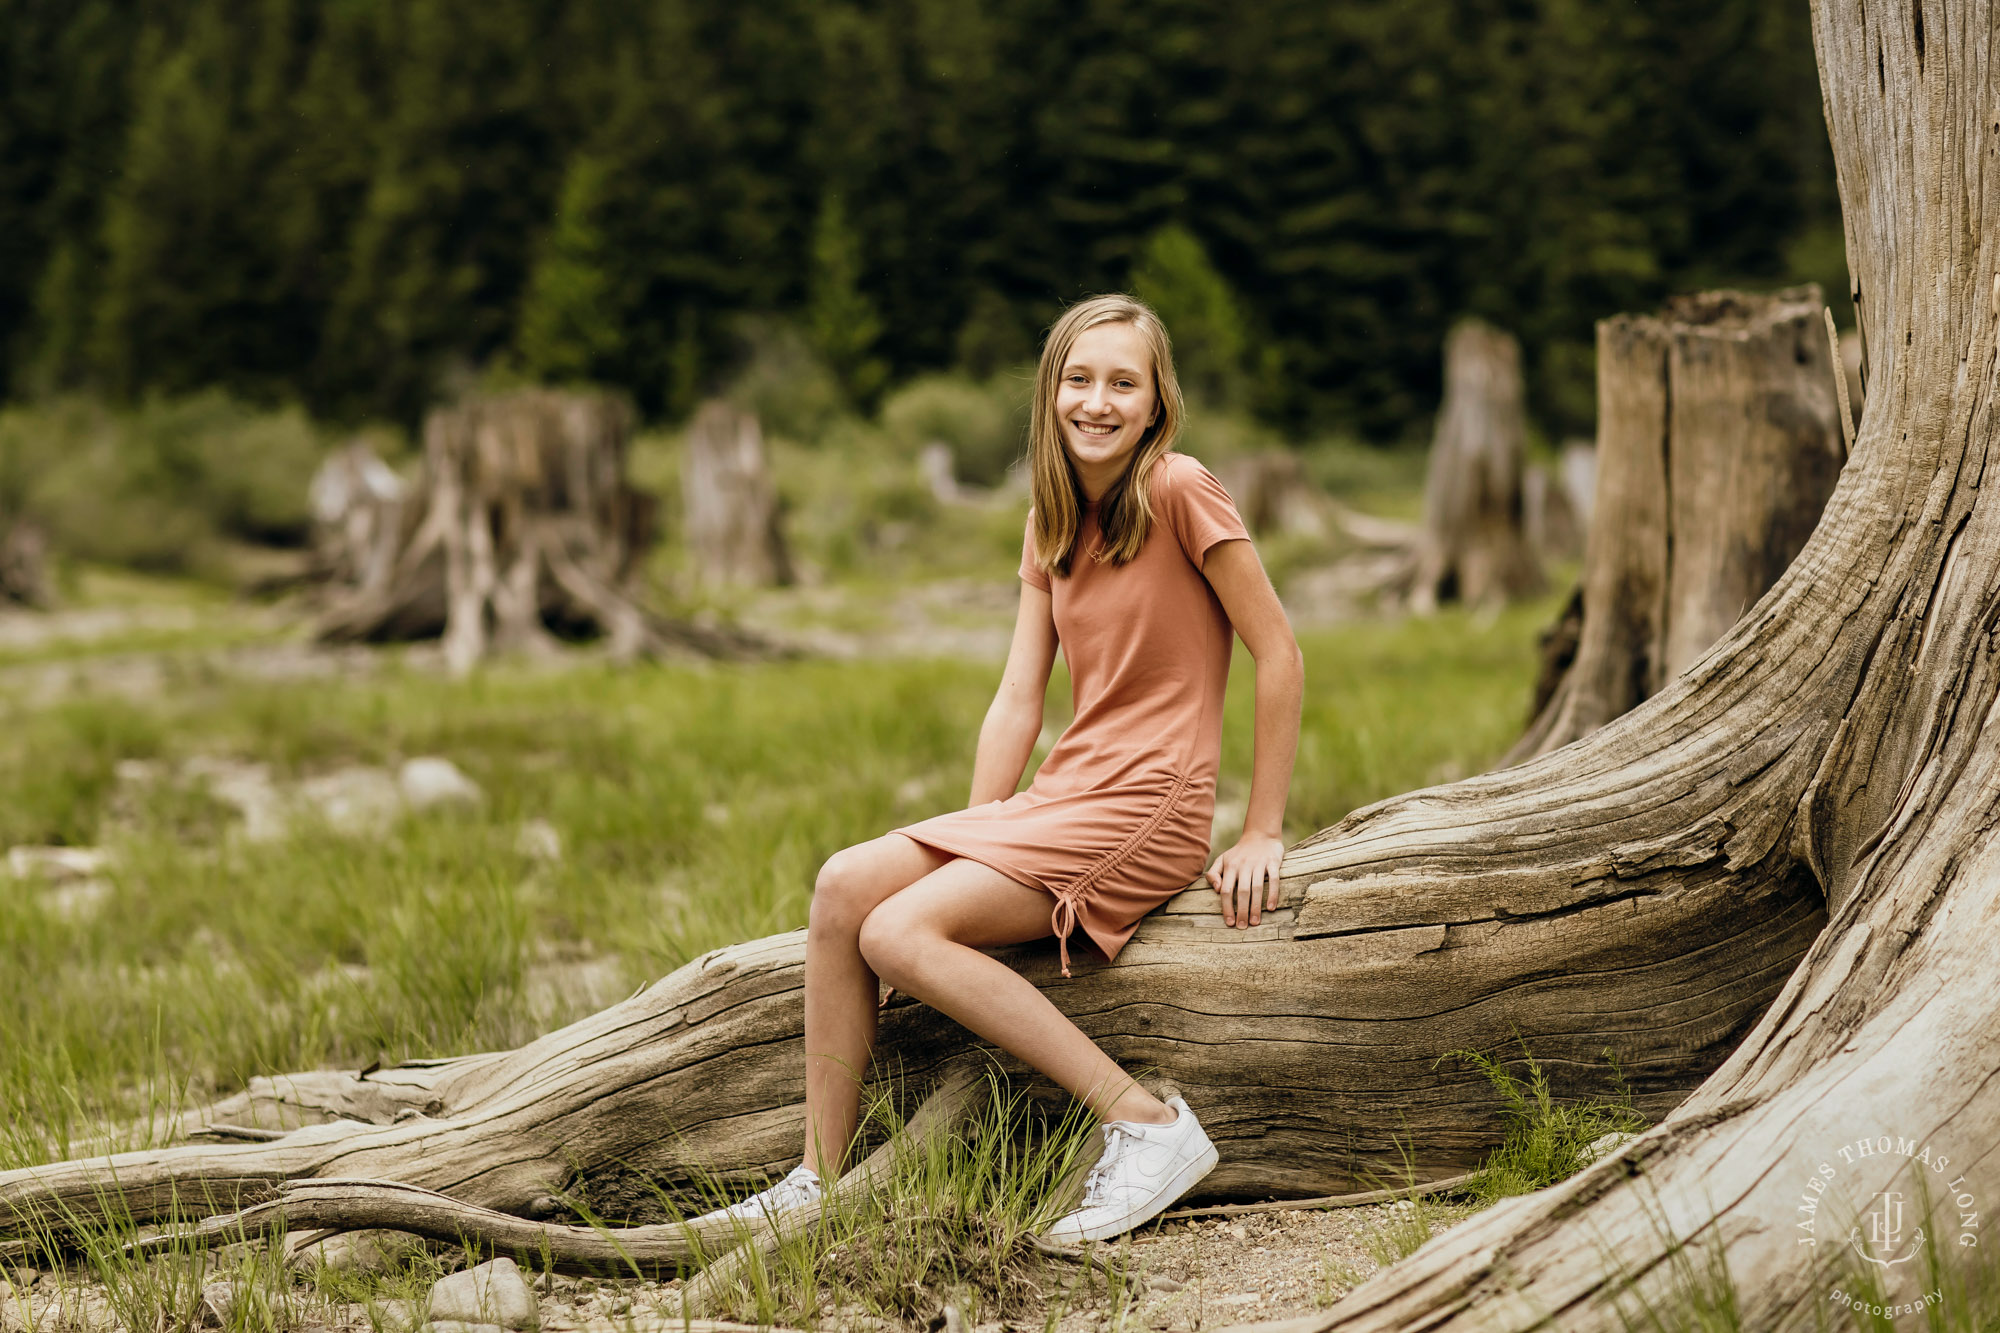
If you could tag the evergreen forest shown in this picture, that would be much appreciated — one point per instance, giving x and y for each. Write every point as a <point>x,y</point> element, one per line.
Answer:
<point>347,204</point>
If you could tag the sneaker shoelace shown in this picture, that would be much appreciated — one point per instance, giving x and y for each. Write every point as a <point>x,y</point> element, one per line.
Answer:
<point>1097,1185</point>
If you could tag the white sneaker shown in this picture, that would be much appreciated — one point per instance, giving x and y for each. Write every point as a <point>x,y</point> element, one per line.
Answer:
<point>798,1191</point>
<point>1144,1169</point>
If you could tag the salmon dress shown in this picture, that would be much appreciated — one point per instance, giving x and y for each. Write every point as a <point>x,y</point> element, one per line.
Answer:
<point>1118,817</point>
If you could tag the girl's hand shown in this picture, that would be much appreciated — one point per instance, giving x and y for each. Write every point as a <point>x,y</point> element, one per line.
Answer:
<point>1247,878</point>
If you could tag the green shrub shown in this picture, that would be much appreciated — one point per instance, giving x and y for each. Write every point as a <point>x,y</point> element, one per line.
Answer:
<point>156,486</point>
<point>984,425</point>
<point>785,381</point>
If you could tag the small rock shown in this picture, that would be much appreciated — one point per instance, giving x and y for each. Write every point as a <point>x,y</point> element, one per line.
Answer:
<point>1606,1144</point>
<point>493,1293</point>
<point>248,788</point>
<point>57,865</point>
<point>1161,1282</point>
<point>394,1316</point>
<point>354,800</point>
<point>217,1300</point>
<point>1238,1232</point>
<point>954,1320</point>
<point>429,781</point>
<point>538,840</point>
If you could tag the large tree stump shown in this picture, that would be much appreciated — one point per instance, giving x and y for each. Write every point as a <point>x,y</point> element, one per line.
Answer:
<point>1474,548</point>
<point>1719,441</point>
<point>521,527</point>
<point>1811,810</point>
<point>732,507</point>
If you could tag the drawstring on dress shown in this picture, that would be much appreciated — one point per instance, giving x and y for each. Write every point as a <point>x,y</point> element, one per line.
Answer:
<point>1063,920</point>
<point>1069,897</point>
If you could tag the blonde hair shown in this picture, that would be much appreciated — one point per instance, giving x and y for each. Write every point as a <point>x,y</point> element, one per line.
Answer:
<point>1124,514</point>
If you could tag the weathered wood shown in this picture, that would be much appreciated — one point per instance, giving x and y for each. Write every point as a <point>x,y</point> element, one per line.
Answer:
<point>1719,441</point>
<point>1401,940</point>
<point>521,526</point>
<point>1877,652</point>
<point>1474,547</point>
<point>731,504</point>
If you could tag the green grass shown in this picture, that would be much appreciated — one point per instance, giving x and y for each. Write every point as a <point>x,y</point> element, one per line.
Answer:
<point>953,1225</point>
<point>1547,1141</point>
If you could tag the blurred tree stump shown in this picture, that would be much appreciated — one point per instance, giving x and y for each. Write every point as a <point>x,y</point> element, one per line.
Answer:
<point>357,530</point>
<point>731,505</point>
<point>521,527</point>
<point>1274,494</point>
<point>1548,517</point>
<point>24,566</point>
<point>1719,442</point>
<point>1474,548</point>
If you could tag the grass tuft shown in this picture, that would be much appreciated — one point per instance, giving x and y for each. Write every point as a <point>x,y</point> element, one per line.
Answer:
<point>953,1225</point>
<point>1547,1140</point>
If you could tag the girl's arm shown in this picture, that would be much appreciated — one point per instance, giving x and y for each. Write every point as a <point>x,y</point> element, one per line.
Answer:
<point>1237,575</point>
<point>1014,720</point>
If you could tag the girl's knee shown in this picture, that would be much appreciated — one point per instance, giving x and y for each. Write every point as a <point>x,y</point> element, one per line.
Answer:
<point>842,893</point>
<point>887,941</point>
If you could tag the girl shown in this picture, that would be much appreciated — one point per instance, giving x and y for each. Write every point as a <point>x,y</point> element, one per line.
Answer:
<point>1137,563</point>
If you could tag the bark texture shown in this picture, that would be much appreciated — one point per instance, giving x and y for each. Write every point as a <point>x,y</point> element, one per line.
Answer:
<point>521,527</point>
<point>1475,548</point>
<point>732,507</point>
<point>1719,440</point>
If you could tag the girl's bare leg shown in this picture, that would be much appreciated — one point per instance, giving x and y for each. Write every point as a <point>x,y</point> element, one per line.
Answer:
<point>926,940</point>
<point>841,989</point>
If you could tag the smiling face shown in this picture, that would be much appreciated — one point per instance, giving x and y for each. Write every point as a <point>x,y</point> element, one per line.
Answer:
<point>1105,401</point>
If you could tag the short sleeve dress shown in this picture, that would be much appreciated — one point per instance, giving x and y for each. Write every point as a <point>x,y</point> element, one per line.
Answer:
<point>1118,817</point>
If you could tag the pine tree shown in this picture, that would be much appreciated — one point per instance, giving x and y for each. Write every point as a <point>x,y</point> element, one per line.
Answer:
<point>570,319</point>
<point>1201,313</point>
<point>840,316</point>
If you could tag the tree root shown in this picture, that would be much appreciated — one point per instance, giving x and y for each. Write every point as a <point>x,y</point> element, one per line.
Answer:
<point>658,1251</point>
